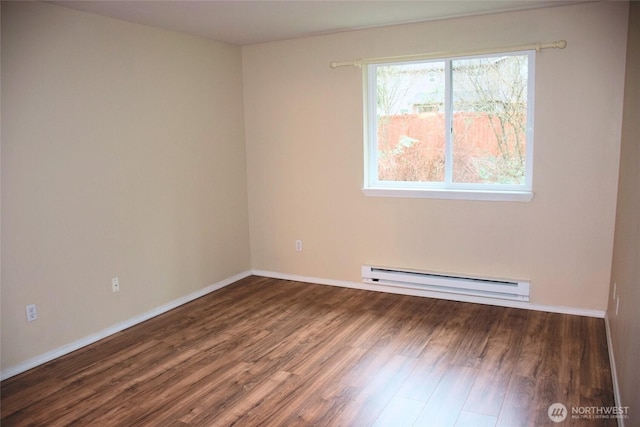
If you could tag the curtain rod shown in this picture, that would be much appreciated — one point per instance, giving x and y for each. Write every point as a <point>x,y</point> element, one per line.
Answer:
<point>560,44</point>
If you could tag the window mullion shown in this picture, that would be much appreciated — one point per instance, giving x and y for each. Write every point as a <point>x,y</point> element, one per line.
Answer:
<point>448,118</point>
<point>371,174</point>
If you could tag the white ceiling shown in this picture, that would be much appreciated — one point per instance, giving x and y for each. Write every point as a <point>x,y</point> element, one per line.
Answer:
<point>246,22</point>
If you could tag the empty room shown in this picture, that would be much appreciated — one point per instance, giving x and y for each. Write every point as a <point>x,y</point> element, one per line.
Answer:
<point>328,213</point>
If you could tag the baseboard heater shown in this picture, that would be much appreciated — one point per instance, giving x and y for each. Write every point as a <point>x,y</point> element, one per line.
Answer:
<point>448,283</point>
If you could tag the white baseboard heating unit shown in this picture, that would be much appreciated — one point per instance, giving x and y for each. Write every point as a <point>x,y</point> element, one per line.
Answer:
<point>517,290</point>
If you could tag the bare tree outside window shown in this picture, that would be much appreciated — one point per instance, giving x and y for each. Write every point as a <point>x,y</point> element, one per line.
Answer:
<point>488,120</point>
<point>410,100</point>
<point>489,94</point>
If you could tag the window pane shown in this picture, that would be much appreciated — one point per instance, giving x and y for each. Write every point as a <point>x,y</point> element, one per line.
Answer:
<point>411,122</point>
<point>489,119</point>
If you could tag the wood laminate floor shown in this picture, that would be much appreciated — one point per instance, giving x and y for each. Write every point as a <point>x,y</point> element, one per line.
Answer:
<point>266,352</point>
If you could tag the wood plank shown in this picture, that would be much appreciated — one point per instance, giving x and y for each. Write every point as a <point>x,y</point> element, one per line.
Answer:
<point>321,383</point>
<point>473,419</point>
<point>374,395</point>
<point>488,391</point>
<point>275,352</point>
<point>400,412</point>
<point>517,408</point>
<point>446,402</point>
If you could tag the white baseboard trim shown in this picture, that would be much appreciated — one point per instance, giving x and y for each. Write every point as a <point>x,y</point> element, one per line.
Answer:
<point>614,372</point>
<point>432,294</point>
<point>83,342</point>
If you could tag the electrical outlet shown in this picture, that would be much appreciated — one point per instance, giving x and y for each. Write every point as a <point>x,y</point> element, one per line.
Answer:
<point>32,312</point>
<point>298,245</point>
<point>115,285</point>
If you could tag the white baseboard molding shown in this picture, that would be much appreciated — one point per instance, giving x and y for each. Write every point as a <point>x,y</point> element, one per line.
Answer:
<point>431,294</point>
<point>83,342</point>
<point>614,372</point>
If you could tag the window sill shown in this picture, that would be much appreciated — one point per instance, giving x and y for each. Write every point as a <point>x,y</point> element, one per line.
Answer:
<point>493,196</point>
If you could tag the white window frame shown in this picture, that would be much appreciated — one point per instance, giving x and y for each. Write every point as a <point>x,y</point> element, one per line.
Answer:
<point>448,189</point>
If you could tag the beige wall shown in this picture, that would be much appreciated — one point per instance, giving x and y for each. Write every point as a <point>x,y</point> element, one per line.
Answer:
<point>303,124</point>
<point>122,155</point>
<point>625,325</point>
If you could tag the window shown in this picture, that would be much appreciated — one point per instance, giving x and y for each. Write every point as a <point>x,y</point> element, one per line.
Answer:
<point>451,128</point>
